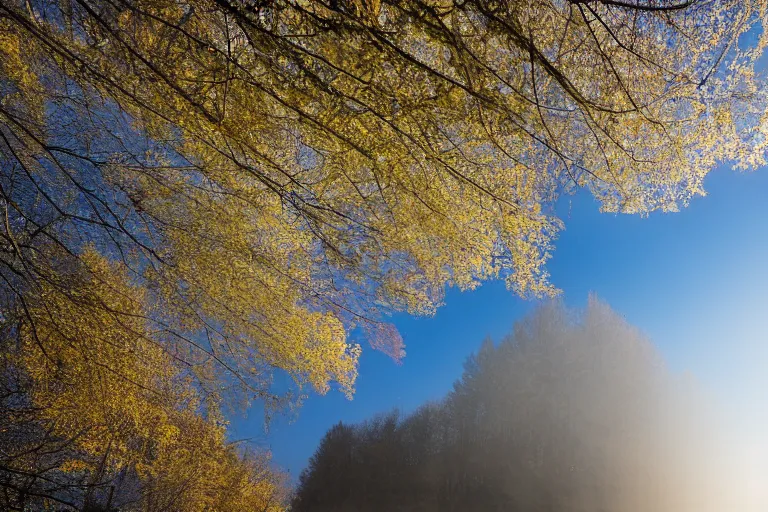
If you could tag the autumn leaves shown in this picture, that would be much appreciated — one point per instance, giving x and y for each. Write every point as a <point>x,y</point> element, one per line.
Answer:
<point>197,195</point>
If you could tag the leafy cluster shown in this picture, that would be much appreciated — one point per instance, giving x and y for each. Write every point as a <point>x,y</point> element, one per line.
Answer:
<point>97,414</point>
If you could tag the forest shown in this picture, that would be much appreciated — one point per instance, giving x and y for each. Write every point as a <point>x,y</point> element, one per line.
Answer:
<point>572,411</point>
<point>200,199</point>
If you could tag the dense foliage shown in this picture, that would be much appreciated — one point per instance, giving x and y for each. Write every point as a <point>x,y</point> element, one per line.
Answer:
<point>571,412</point>
<point>197,194</point>
<point>97,416</point>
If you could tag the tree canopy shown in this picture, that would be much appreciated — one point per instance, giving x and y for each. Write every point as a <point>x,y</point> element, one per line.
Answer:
<point>275,174</point>
<point>199,194</point>
<point>97,416</point>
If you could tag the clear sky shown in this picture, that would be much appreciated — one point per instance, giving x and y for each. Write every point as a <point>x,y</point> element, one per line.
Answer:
<point>694,282</point>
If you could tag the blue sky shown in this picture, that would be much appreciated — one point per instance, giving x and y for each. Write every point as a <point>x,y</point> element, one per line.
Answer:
<point>694,282</point>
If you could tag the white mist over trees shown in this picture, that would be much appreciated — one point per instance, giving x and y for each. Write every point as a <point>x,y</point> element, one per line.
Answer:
<point>573,411</point>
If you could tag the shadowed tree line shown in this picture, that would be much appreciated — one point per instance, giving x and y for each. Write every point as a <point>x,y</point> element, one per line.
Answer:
<point>573,411</point>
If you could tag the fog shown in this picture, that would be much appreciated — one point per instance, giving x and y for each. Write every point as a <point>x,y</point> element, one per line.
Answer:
<point>572,411</point>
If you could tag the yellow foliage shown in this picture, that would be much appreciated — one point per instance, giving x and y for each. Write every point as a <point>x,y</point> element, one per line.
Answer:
<point>196,195</point>
<point>99,379</point>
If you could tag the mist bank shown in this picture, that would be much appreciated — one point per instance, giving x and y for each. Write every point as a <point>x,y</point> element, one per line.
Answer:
<point>575,410</point>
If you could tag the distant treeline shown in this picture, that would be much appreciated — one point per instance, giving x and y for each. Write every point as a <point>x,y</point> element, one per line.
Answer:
<point>573,411</point>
